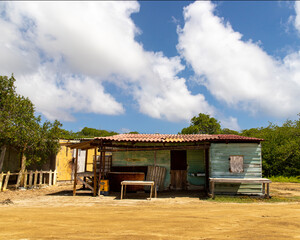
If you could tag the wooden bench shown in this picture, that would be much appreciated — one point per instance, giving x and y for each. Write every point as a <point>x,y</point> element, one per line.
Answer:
<point>263,181</point>
<point>140,183</point>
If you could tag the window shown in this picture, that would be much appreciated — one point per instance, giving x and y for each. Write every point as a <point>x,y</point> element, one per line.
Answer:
<point>236,163</point>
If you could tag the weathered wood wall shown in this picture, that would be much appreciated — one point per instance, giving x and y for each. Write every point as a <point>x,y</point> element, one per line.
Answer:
<point>195,161</point>
<point>219,166</point>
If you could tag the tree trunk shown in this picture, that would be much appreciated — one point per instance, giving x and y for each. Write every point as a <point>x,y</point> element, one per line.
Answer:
<point>23,166</point>
<point>23,161</point>
<point>3,150</point>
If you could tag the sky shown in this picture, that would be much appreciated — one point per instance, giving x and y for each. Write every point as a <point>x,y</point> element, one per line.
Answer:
<point>150,66</point>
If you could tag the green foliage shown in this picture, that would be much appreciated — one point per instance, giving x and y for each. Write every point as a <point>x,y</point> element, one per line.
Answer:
<point>285,179</point>
<point>20,128</point>
<point>281,148</point>
<point>229,131</point>
<point>203,124</point>
<point>92,132</point>
<point>85,133</point>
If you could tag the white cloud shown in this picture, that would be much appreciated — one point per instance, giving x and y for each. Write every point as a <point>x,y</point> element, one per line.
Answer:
<point>230,123</point>
<point>46,44</point>
<point>297,19</point>
<point>238,73</point>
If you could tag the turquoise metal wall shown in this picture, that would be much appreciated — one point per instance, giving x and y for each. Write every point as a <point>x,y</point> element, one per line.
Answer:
<point>219,166</point>
<point>195,161</point>
<point>144,158</point>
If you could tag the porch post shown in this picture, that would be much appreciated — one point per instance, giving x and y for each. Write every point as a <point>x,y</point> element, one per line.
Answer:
<point>95,172</point>
<point>75,173</point>
<point>206,156</point>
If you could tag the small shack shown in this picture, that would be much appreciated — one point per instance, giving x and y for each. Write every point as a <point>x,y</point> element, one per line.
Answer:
<point>223,164</point>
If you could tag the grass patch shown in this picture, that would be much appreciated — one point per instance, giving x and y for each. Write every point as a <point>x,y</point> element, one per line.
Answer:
<point>285,179</point>
<point>252,199</point>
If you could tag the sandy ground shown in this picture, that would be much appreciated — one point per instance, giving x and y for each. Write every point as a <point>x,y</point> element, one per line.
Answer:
<point>53,213</point>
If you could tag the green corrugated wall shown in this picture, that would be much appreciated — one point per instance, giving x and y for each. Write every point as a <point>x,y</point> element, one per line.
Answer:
<point>219,166</point>
<point>143,158</point>
<point>195,161</point>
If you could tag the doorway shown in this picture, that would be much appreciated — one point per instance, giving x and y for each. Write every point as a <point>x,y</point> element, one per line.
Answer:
<point>178,170</point>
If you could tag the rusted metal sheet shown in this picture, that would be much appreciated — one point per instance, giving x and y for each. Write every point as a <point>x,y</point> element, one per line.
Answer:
<point>115,179</point>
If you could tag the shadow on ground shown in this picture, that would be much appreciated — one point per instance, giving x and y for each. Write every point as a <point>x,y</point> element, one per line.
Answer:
<point>137,195</point>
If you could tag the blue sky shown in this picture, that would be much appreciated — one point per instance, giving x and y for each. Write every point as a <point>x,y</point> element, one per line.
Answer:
<point>150,66</point>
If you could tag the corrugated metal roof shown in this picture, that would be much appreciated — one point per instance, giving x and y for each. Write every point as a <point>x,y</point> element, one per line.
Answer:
<point>177,138</point>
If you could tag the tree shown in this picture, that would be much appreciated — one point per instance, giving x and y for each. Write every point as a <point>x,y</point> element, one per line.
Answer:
<point>203,124</point>
<point>280,148</point>
<point>92,132</point>
<point>21,129</point>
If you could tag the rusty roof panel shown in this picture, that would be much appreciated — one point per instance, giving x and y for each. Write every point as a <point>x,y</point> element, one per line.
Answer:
<point>177,138</point>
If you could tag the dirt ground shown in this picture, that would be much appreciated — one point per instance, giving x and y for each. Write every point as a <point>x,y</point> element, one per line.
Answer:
<point>53,213</point>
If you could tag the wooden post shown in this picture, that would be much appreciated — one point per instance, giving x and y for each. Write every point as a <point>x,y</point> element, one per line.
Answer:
<point>206,157</point>
<point>41,178</point>
<point>6,180</point>
<point>30,179</point>
<point>35,178</point>
<point>75,173</point>
<point>95,172</point>
<point>268,190</point>
<point>121,191</point>
<point>50,177</point>
<point>86,159</point>
<point>1,179</point>
<point>19,179</point>
<point>264,189</point>
<point>54,177</point>
<point>213,190</point>
<point>100,170</point>
<point>25,179</point>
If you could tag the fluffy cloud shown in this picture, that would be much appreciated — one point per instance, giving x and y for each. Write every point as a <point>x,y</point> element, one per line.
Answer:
<point>236,72</point>
<point>297,19</point>
<point>63,52</point>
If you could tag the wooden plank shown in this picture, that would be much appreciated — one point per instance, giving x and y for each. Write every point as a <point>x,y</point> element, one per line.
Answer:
<point>213,190</point>
<point>25,179</point>
<point>30,179</point>
<point>206,163</point>
<point>19,180</point>
<point>1,180</point>
<point>41,178</point>
<point>50,177</point>
<point>54,177</point>
<point>241,180</point>
<point>85,183</point>
<point>35,178</point>
<point>122,191</point>
<point>6,180</point>
<point>146,183</point>
<point>75,173</point>
<point>102,155</point>
<point>95,172</point>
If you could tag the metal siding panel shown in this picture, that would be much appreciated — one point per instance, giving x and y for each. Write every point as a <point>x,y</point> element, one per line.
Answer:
<point>144,158</point>
<point>195,161</point>
<point>219,165</point>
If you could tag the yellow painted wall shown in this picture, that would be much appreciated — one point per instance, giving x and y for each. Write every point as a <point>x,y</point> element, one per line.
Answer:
<point>64,162</point>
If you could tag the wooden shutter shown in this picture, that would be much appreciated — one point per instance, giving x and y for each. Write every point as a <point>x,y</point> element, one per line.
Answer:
<point>236,164</point>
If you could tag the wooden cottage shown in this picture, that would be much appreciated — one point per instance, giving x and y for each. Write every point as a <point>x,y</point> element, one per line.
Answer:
<point>223,164</point>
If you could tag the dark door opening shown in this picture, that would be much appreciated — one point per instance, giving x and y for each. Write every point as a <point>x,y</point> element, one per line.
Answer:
<point>178,170</point>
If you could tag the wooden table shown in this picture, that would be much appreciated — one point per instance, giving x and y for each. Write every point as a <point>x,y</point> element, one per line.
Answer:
<point>263,181</point>
<point>139,183</point>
